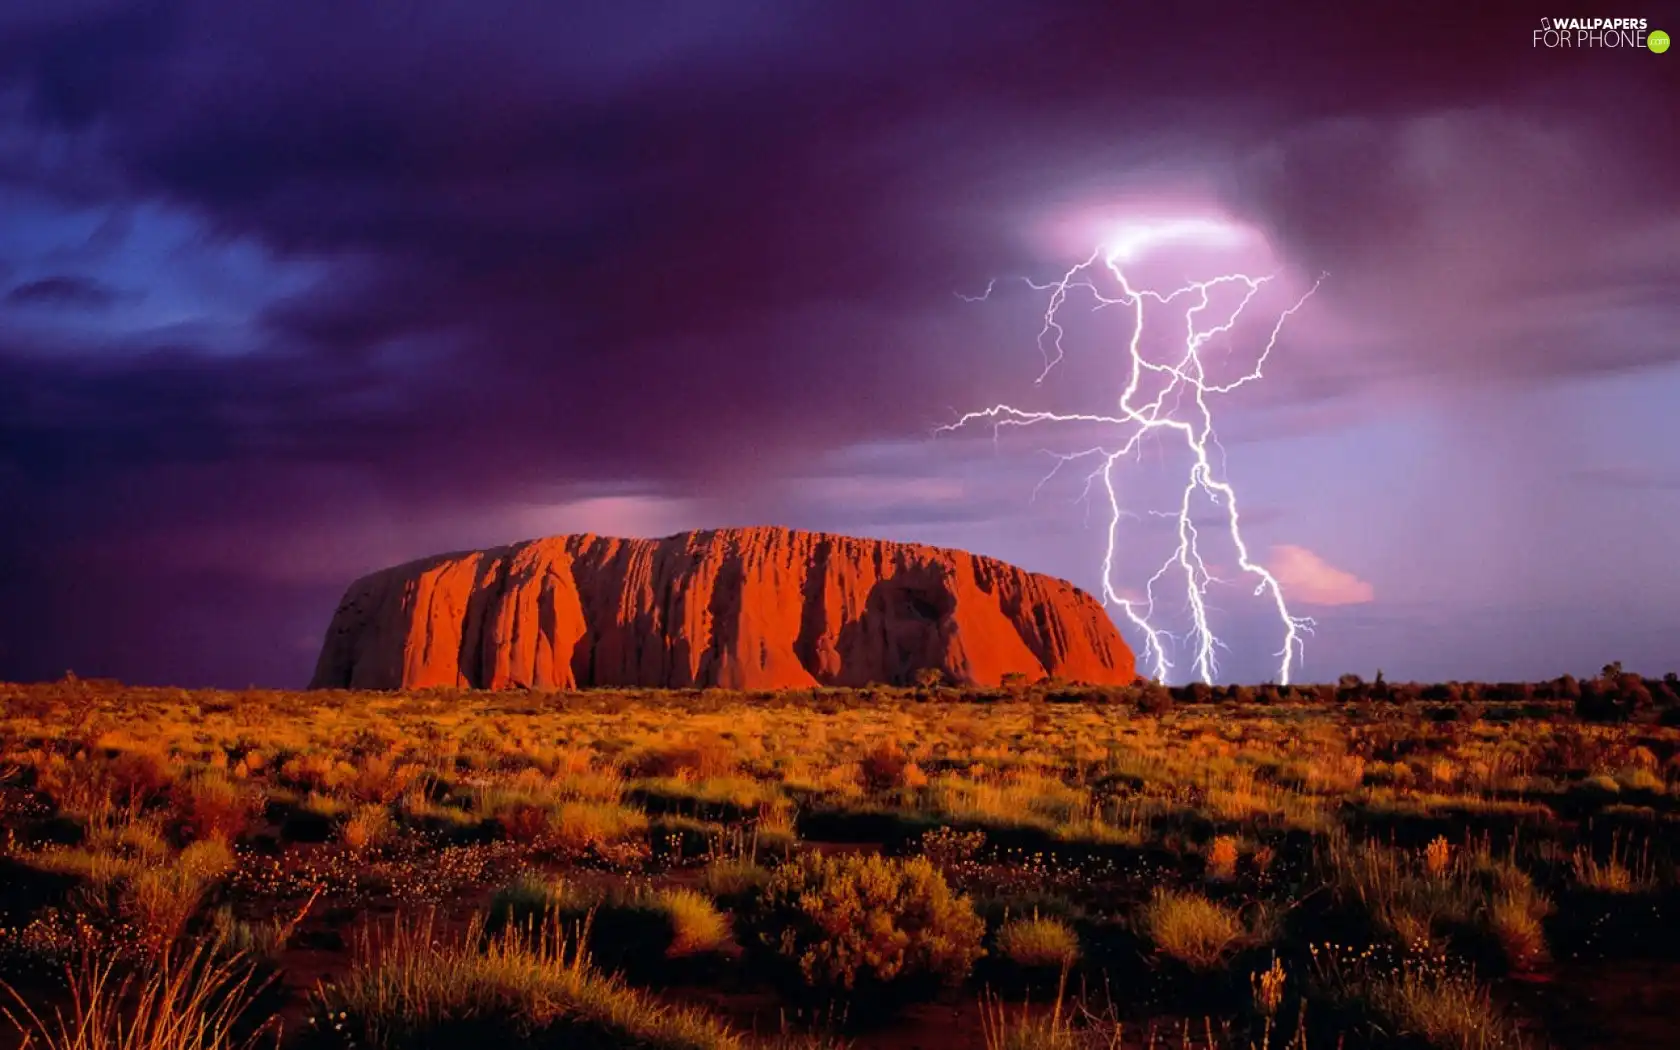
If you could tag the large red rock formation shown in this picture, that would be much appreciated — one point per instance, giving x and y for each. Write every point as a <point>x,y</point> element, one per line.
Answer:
<point>760,608</point>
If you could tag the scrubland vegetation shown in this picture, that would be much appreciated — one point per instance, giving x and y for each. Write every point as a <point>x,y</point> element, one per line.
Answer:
<point>1357,865</point>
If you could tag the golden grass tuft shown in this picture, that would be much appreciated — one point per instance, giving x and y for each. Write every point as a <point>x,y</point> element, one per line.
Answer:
<point>697,927</point>
<point>211,806</point>
<point>1038,943</point>
<point>368,827</point>
<point>1190,928</point>
<point>1619,872</point>
<point>733,877</point>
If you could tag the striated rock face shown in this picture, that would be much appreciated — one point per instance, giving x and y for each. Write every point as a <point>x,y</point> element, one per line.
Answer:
<point>759,608</point>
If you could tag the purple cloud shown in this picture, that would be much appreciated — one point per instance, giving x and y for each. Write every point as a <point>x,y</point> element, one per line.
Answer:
<point>64,292</point>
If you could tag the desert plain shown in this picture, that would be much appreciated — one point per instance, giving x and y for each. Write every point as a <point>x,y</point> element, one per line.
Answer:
<point>1363,864</point>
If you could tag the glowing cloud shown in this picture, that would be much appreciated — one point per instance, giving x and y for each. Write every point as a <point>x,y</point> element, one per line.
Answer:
<point>1132,240</point>
<point>1313,581</point>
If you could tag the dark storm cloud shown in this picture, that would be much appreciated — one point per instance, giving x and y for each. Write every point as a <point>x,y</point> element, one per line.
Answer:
<point>636,218</point>
<point>1526,236</point>
<point>687,244</point>
<point>65,291</point>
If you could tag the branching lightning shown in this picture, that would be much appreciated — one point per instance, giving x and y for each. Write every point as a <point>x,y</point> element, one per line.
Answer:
<point>1166,412</point>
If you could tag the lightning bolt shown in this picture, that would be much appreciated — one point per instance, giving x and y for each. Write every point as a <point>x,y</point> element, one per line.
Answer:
<point>1184,379</point>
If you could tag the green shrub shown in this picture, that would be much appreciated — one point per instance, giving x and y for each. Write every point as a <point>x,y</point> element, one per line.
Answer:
<point>851,923</point>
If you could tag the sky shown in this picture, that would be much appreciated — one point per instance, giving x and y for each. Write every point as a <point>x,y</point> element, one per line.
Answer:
<point>291,292</point>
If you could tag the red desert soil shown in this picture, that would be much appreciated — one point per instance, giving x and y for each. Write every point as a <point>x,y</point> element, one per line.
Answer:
<point>758,608</point>
<point>1607,1004</point>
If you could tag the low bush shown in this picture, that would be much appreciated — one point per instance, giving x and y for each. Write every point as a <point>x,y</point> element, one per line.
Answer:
<point>140,778</point>
<point>866,924</point>
<point>1038,943</point>
<point>696,925</point>
<point>699,758</point>
<point>1192,929</point>
<point>370,826</point>
<point>886,767</point>
<point>568,826</point>
<point>211,806</point>
<point>1222,858</point>
<point>1516,918</point>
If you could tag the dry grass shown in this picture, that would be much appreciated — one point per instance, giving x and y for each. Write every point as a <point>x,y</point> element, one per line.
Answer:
<point>1038,943</point>
<point>697,927</point>
<point>733,877</point>
<point>211,806</point>
<point>370,826</point>
<point>141,816</point>
<point>1222,857</point>
<point>1621,871</point>
<point>1188,927</point>
<point>529,985</point>
<point>1516,917</point>
<point>1420,998</point>
<point>190,997</point>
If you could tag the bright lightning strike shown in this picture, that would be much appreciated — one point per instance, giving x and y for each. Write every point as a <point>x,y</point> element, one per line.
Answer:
<point>1193,423</point>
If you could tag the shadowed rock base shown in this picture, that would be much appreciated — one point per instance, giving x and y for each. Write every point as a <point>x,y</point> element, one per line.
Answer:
<point>758,608</point>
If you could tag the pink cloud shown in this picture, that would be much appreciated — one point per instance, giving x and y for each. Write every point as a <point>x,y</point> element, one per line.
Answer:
<point>1311,580</point>
<point>371,536</point>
